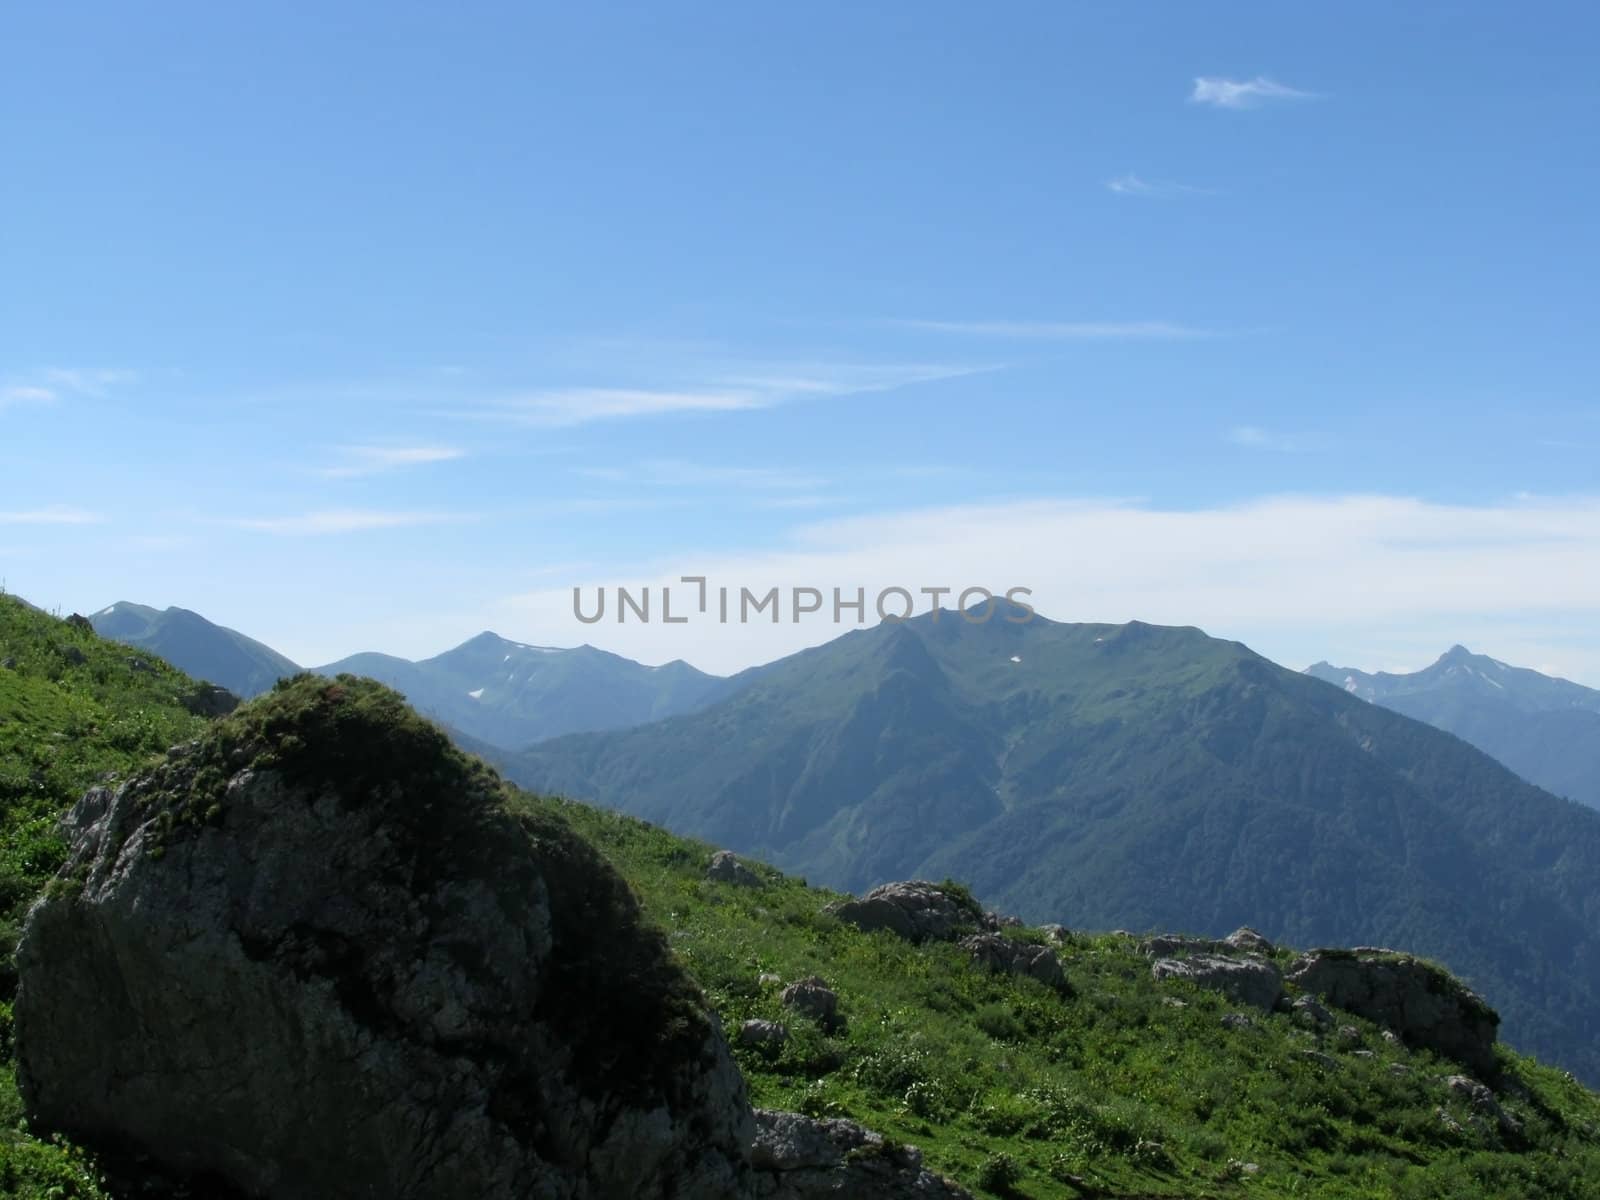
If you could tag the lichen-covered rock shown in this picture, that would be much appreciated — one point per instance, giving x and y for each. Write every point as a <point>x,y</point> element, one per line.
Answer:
<point>1245,940</point>
<point>726,868</point>
<point>1309,1011</point>
<point>762,1034</point>
<point>1483,1103</point>
<point>1424,1005</point>
<point>1001,954</point>
<point>803,1158</point>
<point>812,997</point>
<point>916,910</point>
<point>1251,981</point>
<point>316,954</point>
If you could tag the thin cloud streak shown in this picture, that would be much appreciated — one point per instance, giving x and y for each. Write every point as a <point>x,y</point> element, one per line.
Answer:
<point>339,521</point>
<point>1240,94</point>
<point>1133,185</point>
<point>373,460</point>
<point>675,473</point>
<point>1065,331</point>
<point>1253,437</point>
<point>54,515</point>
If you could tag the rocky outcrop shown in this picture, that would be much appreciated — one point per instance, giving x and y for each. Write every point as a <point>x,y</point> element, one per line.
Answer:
<point>1001,954</point>
<point>1243,940</point>
<point>726,868</point>
<point>315,954</point>
<point>803,1158</point>
<point>916,910</point>
<point>1251,981</point>
<point>209,701</point>
<point>1424,1005</point>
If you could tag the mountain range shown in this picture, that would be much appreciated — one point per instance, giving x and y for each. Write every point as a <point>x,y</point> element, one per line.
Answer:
<point>1130,776</point>
<point>494,694</point>
<point>1546,730</point>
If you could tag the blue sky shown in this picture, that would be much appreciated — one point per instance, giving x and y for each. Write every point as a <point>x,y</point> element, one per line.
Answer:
<point>369,326</point>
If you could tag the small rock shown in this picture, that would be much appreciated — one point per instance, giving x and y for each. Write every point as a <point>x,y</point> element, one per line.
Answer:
<point>1318,1057</point>
<point>1348,1035</point>
<point>915,909</point>
<point>813,998</point>
<point>805,1158</point>
<point>1308,1011</point>
<point>1237,1021</point>
<point>74,656</point>
<point>81,622</point>
<point>210,702</point>
<point>1363,1054</point>
<point>140,666</point>
<point>726,868</point>
<point>1398,1069</point>
<point>1173,1002</point>
<point>1245,940</point>
<point>1016,958</point>
<point>1482,1101</point>
<point>767,979</point>
<point>1056,933</point>
<point>762,1033</point>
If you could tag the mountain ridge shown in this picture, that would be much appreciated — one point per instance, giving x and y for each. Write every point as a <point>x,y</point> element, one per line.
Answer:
<point>1544,728</point>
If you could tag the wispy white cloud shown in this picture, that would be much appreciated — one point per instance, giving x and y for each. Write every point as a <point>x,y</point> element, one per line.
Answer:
<point>1254,437</point>
<point>1299,578</point>
<point>722,386</point>
<point>341,520</point>
<point>676,473</point>
<point>54,515</point>
<point>563,407</point>
<point>23,393</point>
<point>1064,331</point>
<point>46,385</point>
<point>1134,185</point>
<point>371,460</point>
<point>1246,93</point>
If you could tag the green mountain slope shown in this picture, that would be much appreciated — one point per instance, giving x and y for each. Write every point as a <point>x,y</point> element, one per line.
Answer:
<point>1132,776</point>
<point>1547,730</point>
<point>196,646</point>
<point>73,708</point>
<point>508,694</point>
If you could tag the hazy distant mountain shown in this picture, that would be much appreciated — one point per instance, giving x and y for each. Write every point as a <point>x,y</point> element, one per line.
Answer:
<point>1131,776</point>
<point>511,695</point>
<point>1546,730</point>
<point>195,646</point>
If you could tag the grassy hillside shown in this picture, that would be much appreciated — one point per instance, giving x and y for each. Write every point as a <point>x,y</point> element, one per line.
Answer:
<point>73,709</point>
<point>1129,1087</point>
<point>1132,776</point>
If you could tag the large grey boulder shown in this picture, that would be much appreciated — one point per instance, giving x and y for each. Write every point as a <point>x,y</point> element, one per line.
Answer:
<point>916,910</point>
<point>315,954</point>
<point>1001,954</point>
<point>804,1158</point>
<point>1251,981</point>
<point>1424,1005</point>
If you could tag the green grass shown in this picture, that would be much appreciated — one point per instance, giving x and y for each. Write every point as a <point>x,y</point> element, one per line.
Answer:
<point>74,710</point>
